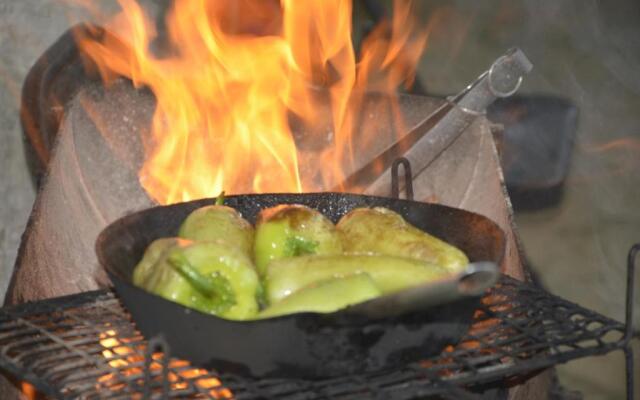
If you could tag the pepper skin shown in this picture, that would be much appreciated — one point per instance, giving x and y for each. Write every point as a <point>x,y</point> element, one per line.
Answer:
<point>146,268</point>
<point>288,275</point>
<point>210,277</point>
<point>293,230</point>
<point>326,296</point>
<point>218,222</point>
<point>382,231</point>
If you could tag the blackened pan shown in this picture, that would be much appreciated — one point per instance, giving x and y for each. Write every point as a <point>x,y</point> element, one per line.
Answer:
<point>304,345</point>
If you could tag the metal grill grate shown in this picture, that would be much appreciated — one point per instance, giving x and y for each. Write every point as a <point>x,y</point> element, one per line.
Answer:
<point>86,346</point>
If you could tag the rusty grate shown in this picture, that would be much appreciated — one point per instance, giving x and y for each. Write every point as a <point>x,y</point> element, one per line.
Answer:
<point>86,346</point>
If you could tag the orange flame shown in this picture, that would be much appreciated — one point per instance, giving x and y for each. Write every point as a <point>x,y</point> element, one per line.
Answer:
<point>235,74</point>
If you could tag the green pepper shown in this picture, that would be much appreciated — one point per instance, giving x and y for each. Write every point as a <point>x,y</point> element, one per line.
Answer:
<point>286,276</point>
<point>326,296</point>
<point>208,276</point>
<point>293,230</point>
<point>146,268</point>
<point>218,222</point>
<point>382,231</point>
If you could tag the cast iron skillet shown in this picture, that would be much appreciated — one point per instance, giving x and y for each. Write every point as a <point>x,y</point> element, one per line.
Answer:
<point>304,345</point>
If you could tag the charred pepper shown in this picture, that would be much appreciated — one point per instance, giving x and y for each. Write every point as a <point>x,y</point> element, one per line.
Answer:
<point>218,223</point>
<point>288,275</point>
<point>293,230</point>
<point>146,268</point>
<point>326,296</point>
<point>208,276</point>
<point>382,231</point>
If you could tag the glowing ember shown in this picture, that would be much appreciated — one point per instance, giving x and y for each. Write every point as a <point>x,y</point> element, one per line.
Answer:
<point>129,363</point>
<point>28,391</point>
<point>234,75</point>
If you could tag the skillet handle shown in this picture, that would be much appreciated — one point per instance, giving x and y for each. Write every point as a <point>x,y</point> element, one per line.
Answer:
<point>473,281</point>
<point>478,277</point>
<point>408,178</point>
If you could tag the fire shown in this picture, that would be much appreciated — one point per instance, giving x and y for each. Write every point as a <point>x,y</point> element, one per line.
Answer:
<point>234,74</point>
<point>122,357</point>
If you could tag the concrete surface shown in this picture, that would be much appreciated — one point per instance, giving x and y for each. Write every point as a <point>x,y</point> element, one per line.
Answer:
<point>582,50</point>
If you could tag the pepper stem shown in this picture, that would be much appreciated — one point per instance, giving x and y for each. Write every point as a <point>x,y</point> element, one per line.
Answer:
<point>180,263</point>
<point>220,199</point>
<point>215,287</point>
<point>299,246</point>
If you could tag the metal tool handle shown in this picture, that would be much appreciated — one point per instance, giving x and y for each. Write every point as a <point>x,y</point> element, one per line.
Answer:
<point>160,345</point>
<point>502,79</point>
<point>395,179</point>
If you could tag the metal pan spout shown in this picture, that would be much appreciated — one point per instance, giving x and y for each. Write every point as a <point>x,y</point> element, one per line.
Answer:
<point>472,282</point>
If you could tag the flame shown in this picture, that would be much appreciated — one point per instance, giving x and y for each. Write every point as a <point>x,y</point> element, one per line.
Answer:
<point>234,74</point>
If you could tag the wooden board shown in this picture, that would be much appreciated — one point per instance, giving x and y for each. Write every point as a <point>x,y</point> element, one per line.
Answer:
<point>468,176</point>
<point>88,186</point>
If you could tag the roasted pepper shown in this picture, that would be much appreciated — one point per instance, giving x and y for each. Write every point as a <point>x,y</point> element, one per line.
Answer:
<point>208,276</point>
<point>146,268</point>
<point>218,222</point>
<point>326,296</point>
<point>288,275</point>
<point>382,231</point>
<point>290,231</point>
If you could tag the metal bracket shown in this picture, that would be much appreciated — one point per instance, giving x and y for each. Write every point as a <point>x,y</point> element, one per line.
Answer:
<point>408,178</point>
<point>156,344</point>
<point>628,334</point>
